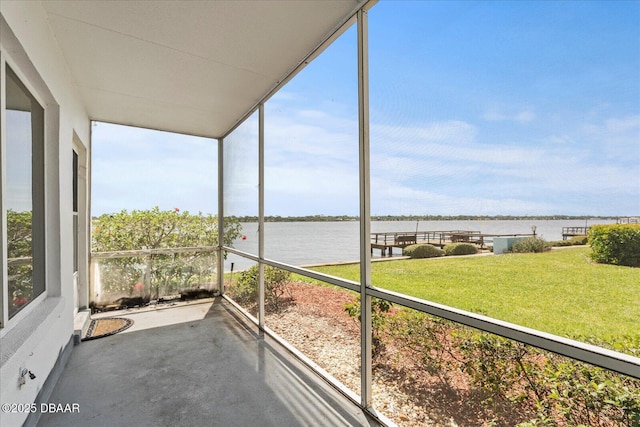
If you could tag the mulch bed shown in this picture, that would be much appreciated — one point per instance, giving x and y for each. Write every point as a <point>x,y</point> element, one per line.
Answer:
<point>316,324</point>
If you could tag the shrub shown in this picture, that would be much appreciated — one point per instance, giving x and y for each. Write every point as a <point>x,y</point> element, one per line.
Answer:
<point>245,289</point>
<point>500,366</point>
<point>425,340</point>
<point>551,389</point>
<point>575,240</point>
<point>379,310</point>
<point>617,244</point>
<point>559,243</point>
<point>559,388</point>
<point>460,249</point>
<point>422,251</point>
<point>579,240</point>
<point>167,273</point>
<point>530,244</point>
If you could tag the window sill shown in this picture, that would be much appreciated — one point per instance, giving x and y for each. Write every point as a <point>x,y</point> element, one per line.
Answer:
<point>17,333</point>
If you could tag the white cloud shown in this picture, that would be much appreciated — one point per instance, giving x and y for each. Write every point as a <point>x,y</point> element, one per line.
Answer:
<point>525,116</point>
<point>450,140</point>
<point>306,135</point>
<point>522,116</point>
<point>452,131</point>
<point>615,140</point>
<point>398,166</point>
<point>440,167</point>
<point>137,169</point>
<point>321,189</point>
<point>624,124</point>
<point>391,198</point>
<point>561,140</point>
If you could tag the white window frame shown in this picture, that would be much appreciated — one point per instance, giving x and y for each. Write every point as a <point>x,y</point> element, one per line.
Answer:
<point>81,275</point>
<point>7,323</point>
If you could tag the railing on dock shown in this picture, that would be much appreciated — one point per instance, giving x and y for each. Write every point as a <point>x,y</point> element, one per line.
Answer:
<point>400,239</point>
<point>568,232</point>
<point>628,220</point>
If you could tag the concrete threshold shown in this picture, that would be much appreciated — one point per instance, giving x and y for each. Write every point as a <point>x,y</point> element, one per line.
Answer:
<point>81,323</point>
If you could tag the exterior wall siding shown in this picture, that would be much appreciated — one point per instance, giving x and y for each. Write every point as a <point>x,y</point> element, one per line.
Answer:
<point>36,337</point>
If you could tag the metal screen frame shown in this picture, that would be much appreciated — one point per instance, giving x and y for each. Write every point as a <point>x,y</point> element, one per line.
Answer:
<point>597,356</point>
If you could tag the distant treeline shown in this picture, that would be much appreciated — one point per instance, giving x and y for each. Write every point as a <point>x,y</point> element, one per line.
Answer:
<point>328,218</point>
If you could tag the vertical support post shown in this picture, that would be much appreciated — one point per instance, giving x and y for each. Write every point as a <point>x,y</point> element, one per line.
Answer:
<point>220,252</point>
<point>146,279</point>
<point>4,283</point>
<point>365,210</point>
<point>261,296</point>
<point>87,214</point>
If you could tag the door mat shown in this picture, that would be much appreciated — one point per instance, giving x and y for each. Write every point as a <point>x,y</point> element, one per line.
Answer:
<point>104,327</point>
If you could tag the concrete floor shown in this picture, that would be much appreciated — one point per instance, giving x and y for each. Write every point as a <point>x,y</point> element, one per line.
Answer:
<point>215,371</point>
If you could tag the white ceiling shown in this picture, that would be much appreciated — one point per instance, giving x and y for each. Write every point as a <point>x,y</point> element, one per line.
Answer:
<point>193,67</point>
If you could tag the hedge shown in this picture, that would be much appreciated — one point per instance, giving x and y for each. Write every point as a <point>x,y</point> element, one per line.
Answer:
<point>460,249</point>
<point>579,240</point>
<point>617,244</point>
<point>422,251</point>
<point>530,244</point>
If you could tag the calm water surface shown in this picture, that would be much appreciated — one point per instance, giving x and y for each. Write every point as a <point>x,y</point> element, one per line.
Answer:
<point>304,243</point>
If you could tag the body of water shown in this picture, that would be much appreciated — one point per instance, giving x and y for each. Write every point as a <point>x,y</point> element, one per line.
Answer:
<point>304,243</point>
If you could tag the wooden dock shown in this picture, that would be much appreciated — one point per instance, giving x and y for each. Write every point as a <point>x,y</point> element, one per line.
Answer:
<point>386,241</point>
<point>569,232</point>
<point>628,220</point>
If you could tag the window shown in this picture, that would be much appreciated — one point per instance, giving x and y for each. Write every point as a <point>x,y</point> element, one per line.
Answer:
<point>23,195</point>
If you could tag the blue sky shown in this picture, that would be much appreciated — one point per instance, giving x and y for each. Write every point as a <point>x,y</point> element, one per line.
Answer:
<point>138,169</point>
<point>515,108</point>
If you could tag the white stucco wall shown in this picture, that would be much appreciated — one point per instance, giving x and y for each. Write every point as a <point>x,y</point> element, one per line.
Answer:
<point>35,337</point>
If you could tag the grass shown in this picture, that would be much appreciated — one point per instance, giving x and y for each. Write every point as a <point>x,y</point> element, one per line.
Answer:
<point>561,292</point>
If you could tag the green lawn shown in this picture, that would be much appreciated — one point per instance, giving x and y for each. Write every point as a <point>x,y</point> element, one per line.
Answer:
<point>561,291</point>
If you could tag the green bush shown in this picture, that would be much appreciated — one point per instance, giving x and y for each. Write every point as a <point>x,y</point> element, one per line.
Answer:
<point>579,240</point>
<point>422,251</point>
<point>166,273</point>
<point>245,290</point>
<point>560,243</point>
<point>617,244</point>
<point>552,390</point>
<point>425,340</point>
<point>529,245</point>
<point>379,310</point>
<point>460,249</point>
<point>574,241</point>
